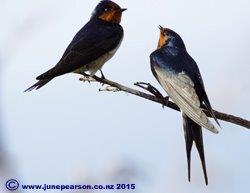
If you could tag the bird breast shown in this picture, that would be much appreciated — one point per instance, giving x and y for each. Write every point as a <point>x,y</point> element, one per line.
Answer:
<point>97,64</point>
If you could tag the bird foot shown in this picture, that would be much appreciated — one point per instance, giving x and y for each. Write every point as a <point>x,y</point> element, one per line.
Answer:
<point>103,77</point>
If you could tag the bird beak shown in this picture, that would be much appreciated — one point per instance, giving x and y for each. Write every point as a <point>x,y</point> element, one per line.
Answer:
<point>161,28</point>
<point>124,9</point>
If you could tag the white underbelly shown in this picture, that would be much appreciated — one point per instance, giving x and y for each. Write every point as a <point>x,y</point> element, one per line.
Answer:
<point>97,64</point>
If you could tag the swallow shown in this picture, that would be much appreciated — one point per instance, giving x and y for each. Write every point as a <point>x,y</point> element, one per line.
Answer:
<point>179,75</point>
<point>92,46</point>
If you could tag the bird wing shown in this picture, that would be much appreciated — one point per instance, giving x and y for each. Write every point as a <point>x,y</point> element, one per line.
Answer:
<point>89,44</point>
<point>180,88</point>
<point>200,90</point>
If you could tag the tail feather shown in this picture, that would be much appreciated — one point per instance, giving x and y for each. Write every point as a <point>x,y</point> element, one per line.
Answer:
<point>193,133</point>
<point>38,85</point>
<point>47,75</point>
<point>54,72</point>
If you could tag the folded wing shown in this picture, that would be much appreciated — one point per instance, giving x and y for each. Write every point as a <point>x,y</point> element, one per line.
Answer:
<point>181,90</point>
<point>89,44</point>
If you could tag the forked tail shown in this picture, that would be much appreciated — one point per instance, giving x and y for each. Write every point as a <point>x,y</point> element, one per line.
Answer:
<point>193,133</point>
<point>38,85</point>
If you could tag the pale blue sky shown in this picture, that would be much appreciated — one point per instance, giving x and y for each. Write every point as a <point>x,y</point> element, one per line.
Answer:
<point>68,130</point>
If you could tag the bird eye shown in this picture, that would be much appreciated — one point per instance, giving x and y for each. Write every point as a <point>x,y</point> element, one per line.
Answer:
<point>107,9</point>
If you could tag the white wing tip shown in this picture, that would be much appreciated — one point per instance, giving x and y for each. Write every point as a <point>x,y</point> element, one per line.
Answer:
<point>213,129</point>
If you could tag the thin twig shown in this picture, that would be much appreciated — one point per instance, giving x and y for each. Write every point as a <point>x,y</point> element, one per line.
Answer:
<point>161,100</point>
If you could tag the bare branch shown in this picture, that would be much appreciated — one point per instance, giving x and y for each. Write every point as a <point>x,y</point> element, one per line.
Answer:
<point>157,97</point>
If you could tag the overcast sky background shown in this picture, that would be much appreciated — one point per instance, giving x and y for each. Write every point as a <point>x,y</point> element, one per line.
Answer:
<point>68,131</point>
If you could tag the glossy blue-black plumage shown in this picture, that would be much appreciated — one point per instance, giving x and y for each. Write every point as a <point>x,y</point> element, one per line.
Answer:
<point>94,40</point>
<point>173,58</point>
<point>177,60</point>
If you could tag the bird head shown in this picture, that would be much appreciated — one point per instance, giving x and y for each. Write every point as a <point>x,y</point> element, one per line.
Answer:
<point>169,38</point>
<point>108,11</point>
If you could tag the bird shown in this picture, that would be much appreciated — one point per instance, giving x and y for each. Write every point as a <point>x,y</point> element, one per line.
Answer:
<point>95,43</point>
<point>179,75</point>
